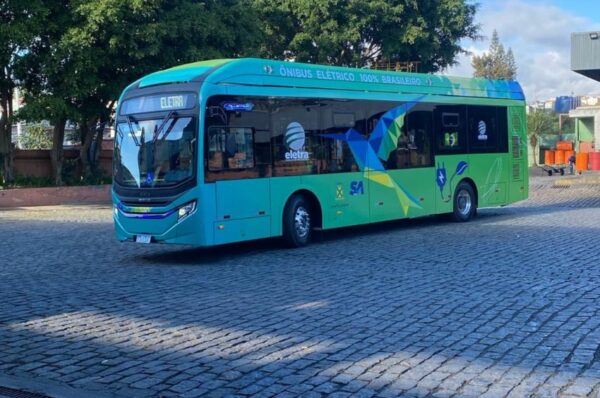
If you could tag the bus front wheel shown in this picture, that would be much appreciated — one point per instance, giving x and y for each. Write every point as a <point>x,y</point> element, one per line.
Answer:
<point>297,222</point>
<point>465,205</point>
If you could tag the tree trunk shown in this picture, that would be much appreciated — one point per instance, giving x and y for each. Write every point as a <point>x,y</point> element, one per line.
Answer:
<point>56,154</point>
<point>98,152</point>
<point>6,147</point>
<point>533,141</point>
<point>86,141</point>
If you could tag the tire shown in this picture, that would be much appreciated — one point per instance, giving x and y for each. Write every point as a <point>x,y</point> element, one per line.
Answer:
<point>297,222</point>
<point>465,203</point>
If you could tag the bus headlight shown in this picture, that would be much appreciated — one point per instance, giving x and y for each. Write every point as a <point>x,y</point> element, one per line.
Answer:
<point>186,210</point>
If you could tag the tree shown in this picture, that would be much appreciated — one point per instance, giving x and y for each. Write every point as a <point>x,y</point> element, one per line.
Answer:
<point>362,32</point>
<point>36,137</point>
<point>19,21</point>
<point>496,63</point>
<point>47,76</point>
<point>539,123</point>
<point>114,42</point>
<point>92,49</point>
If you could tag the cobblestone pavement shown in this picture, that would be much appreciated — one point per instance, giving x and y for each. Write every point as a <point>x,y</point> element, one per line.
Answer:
<point>506,305</point>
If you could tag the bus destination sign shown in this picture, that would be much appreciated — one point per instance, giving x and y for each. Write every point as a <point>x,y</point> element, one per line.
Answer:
<point>172,102</point>
<point>158,103</point>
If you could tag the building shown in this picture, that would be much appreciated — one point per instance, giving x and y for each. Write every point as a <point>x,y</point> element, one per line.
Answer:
<point>585,60</point>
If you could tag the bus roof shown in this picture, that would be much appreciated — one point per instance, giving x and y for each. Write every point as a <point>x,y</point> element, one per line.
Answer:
<point>269,73</point>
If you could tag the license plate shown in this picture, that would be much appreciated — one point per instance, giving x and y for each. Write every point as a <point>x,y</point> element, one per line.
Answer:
<point>143,238</point>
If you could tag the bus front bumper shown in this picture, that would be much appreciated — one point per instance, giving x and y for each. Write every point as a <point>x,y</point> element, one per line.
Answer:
<point>179,225</point>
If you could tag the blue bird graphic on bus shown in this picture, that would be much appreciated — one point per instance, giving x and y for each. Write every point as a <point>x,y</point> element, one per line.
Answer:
<point>369,153</point>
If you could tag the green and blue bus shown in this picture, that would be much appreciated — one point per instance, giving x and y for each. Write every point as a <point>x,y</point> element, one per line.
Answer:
<point>230,150</point>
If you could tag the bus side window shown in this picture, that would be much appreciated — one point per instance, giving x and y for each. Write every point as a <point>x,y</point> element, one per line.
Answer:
<point>419,132</point>
<point>230,148</point>
<point>450,129</point>
<point>482,129</point>
<point>374,111</point>
<point>502,128</point>
<point>338,117</point>
<point>295,139</point>
<point>237,134</point>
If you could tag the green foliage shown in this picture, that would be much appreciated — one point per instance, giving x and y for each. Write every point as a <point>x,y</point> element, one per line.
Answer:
<point>19,23</point>
<point>540,123</point>
<point>496,63</point>
<point>40,182</point>
<point>362,32</point>
<point>36,137</point>
<point>95,48</point>
<point>30,182</point>
<point>568,126</point>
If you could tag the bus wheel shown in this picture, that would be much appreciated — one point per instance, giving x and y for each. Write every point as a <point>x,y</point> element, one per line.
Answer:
<point>465,205</point>
<point>297,222</point>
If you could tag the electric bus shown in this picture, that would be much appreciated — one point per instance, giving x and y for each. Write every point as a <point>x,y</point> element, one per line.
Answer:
<point>230,150</point>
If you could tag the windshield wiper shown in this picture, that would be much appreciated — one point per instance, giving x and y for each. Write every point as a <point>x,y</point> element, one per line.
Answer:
<point>129,119</point>
<point>163,124</point>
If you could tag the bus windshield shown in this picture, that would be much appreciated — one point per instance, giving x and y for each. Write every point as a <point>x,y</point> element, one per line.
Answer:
<point>155,152</point>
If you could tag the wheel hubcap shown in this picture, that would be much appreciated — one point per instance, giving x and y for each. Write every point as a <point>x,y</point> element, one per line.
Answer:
<point>302,222</point>
<point>463,202</point>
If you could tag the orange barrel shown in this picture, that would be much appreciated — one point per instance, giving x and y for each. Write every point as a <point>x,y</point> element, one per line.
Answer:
<point>595,160</point>
<point>581,162</point>
<point>548,156</point>
<point>564,145</point>
<point>568,154</point>
<point>559,156</point>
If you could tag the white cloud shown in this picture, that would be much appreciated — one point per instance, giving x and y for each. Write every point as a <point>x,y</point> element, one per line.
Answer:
<point>540,37</point>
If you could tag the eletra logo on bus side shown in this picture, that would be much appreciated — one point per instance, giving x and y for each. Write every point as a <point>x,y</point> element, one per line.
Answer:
<point>295,137</point>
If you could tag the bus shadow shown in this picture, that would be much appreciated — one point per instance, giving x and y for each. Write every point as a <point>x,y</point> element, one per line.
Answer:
<point>232,253</point>
<point>236,251</point>
<point>211,255</point>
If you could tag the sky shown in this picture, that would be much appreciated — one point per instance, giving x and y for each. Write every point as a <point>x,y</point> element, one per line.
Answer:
<point>539,33</point>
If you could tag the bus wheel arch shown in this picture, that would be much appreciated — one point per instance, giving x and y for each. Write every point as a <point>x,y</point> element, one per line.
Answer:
<point>474,186</point>
<point>302,207</point>
<point>465,200</point>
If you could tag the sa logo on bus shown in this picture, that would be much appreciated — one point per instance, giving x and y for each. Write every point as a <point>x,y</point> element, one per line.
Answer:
<point>357,188</point>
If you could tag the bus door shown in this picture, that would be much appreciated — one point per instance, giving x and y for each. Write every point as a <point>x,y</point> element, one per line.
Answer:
<point>243,194</point>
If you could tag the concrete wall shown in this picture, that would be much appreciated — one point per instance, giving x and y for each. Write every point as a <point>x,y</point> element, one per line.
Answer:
<point>589,127</point>
<point>585,129</point>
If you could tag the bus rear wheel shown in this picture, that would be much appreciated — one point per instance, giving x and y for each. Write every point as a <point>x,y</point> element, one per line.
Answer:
<point>297,222</point>
<point>465,205</point>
